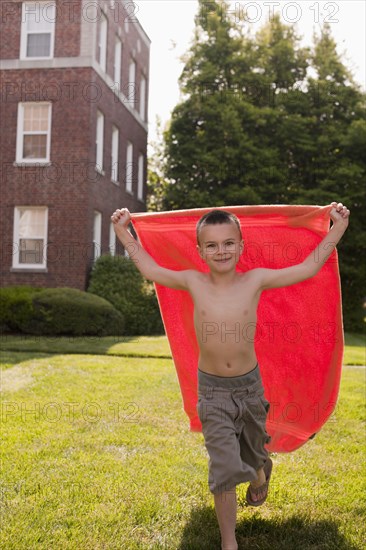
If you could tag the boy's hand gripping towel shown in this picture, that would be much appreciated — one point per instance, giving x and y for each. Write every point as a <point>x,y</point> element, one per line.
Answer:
<point>299,331</point>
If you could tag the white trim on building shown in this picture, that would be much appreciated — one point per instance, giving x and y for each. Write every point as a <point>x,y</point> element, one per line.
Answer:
<point>97,235</point>
<point>99,142</point>
<point>115,155</point>
<point>102,42</point>
<point>129,167</point>
<point>112,240</point>
<point>117,62</point>
<point>140,181</point>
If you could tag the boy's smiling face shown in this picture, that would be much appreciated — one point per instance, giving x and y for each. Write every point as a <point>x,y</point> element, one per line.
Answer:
<point>220,246</point>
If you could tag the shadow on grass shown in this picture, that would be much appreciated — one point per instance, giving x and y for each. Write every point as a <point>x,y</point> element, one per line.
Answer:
<point>127,346</point>
<point>10,358</point>
<point>294,533</point>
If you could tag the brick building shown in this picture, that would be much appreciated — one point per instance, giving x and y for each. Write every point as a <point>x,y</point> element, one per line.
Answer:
<point>74,89</point>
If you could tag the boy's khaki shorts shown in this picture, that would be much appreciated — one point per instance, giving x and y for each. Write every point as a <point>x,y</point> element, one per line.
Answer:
<point>233,412</point>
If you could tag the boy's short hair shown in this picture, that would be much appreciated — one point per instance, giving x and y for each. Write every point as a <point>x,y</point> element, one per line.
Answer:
<point>217,217</point>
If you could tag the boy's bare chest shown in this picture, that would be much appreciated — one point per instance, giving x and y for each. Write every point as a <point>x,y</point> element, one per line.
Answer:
<point>238,304</point>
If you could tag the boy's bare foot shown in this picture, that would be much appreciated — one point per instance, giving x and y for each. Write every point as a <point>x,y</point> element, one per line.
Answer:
<point>229,546</point>
<point>260,481</point>
<point>258,490</point>
<point>232,545</point>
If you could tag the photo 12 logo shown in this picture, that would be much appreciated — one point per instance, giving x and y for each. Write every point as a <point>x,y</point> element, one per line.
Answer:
<point>120,11</point>
<point>255,12</point>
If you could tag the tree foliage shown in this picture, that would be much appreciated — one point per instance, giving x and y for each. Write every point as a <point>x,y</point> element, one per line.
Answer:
<point>156,181</point>
<point>265,121</point>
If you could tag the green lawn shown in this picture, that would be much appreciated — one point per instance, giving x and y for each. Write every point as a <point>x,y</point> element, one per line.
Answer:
<point>97,454</point>
<point>131,346</point>
<point>135,346</point>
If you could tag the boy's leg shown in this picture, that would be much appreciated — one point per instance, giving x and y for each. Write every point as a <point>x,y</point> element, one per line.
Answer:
<point>225,506</point>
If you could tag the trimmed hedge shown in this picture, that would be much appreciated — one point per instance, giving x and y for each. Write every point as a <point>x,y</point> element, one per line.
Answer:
<point>58,311</point>
<point>16,307</point>
<point>116,279</point>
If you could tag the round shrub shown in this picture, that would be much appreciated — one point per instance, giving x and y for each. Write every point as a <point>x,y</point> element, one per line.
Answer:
<point>16,307</point>
<point>57,311</point>
<point>116,279</point>
<point>69,311</point>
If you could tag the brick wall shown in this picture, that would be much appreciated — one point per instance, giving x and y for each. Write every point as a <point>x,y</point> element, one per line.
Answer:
<point>69,186</point>
<point>67,29</point>
<point>121,24</point>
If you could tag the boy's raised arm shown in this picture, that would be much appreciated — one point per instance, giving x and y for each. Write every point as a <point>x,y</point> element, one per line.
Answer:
<point>275,278</point>
<point>143,261</point>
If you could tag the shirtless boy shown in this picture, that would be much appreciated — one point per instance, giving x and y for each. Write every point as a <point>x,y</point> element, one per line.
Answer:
<point>229,382</point>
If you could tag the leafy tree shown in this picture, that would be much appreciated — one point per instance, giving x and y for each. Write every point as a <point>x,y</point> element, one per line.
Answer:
<point>263,120</point>
<point>206,134</point>
<point>338,167</point>
<point>221,145</point>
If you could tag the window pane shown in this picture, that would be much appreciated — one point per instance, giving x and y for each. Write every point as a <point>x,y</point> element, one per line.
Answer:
<point>140,186</point>
<point>117,61</point>
<point>33,15</point>
<point>36,118</point>
<point>32,223</point>
<point>100,141</point>
<point>102,43</point>
<point>129,167</point>
<point>35,147</point>
<point>132,73</point>
<point>31,251</point>
<point>142,97</point>
<point>39,45</point>
<point>114,168</point>
<point>112,240</point>
<point>28,116</point>
<point>40,16</point>
<point>97,234</point>
<point>42,113</point>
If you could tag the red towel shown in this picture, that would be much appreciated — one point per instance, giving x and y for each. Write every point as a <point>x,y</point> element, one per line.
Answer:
<point>299,333</point>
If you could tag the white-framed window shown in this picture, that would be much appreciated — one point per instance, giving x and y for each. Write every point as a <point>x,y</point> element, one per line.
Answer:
<point>117,62</point>
<point>30,237</point>
<point>102,41</point>
<point>97,235</point>
<point>115,148</point>
<point>129,167</point>
<point>34,132</point>
<point>132,72</point>
<point>99,142</point>
<point>143,98</point>
<point>37,37</point>
<point>140,184</point>
<point>132,82</point>
<point>112,240</point>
